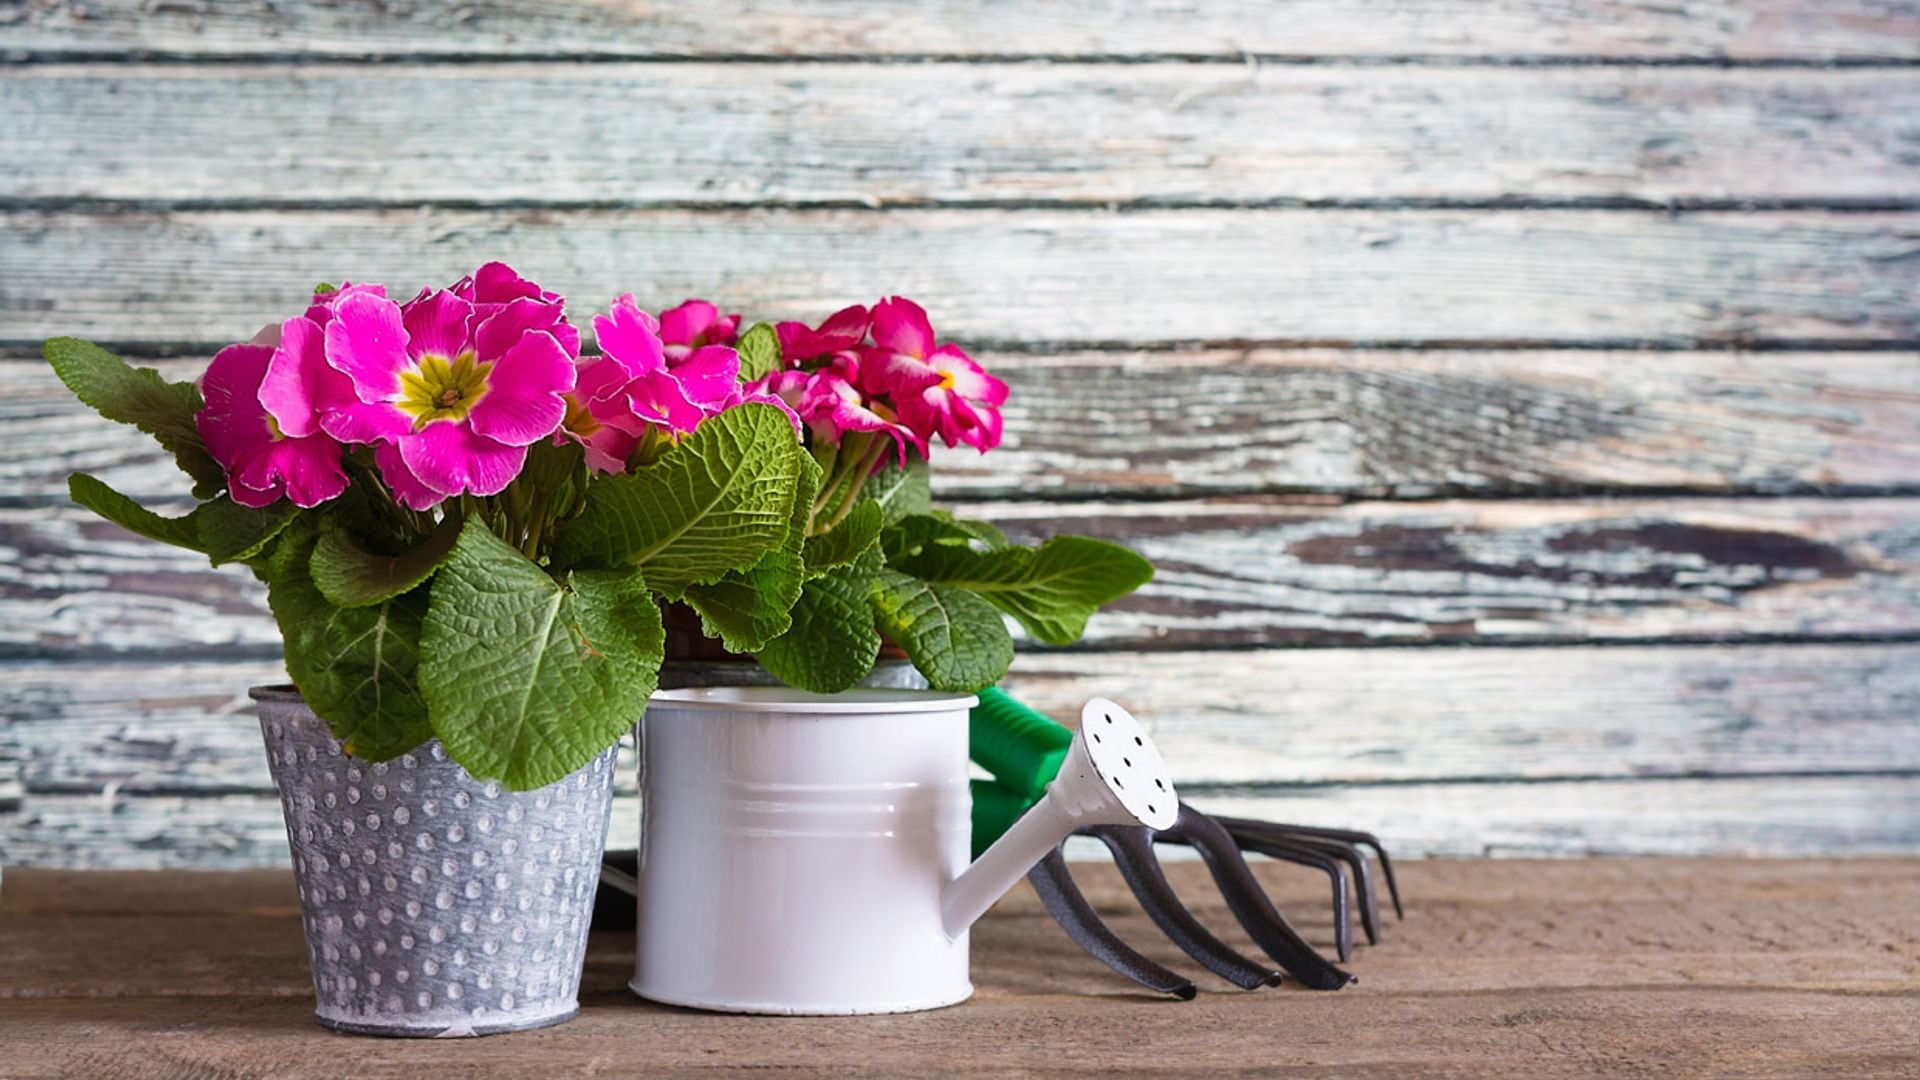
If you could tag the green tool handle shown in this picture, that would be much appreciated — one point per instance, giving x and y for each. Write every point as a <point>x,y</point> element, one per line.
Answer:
<point>1023,749</point>
<point>995,808</point>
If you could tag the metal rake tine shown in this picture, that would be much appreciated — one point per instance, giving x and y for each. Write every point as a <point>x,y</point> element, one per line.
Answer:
<point>1350,854</point>
<point>1351,836</point>
<point>1303,855</point>
<point>1132,848</point>
<point>1362,868</point>
<point>1069,908</point>
<point>1263,922</point>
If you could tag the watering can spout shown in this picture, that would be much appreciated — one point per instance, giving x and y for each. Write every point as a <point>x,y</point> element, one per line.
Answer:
<point>1112,775</point>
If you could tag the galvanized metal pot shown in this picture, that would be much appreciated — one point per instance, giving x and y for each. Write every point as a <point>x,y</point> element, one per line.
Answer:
<point>434,904</point>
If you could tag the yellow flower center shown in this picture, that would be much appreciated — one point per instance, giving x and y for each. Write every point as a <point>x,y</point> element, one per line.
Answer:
<point>442,389</point>
<point>273,428</point>
<point>946,380</point>
<point>579,420</point>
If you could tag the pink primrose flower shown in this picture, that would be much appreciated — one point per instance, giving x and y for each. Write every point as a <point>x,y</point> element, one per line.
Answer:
<point>843,330</point>
<point>830,403</point>
<point>695,324</point>
<point>638,382</point>
<point>263,461</point>
<point>937,389</point>
<point>450,388</point>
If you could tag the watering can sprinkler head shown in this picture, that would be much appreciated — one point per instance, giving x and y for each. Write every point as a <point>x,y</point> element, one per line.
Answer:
<point>1112,775</point>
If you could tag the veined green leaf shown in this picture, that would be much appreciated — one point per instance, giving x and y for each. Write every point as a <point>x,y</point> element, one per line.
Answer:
<point>901,490</point>
<point>222,530</point>
<point>985,532</point>
<point>955,638</point>
<point>96,496</point>
<point>746,609</point>
<point>1051,589</point>
<point>230,532</point>
<point>356,667</point>
<point>716,502</point>
<point>351,577</point>
<point>832,644</point>
<point>139,396</point>
<point>848,541</point>
<point>526,678</point>
<point>759,350</point>
<point>907,537</point>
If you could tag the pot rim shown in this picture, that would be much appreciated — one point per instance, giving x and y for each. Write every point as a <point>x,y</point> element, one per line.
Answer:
<point>785,699</point>
<point>275,692</point>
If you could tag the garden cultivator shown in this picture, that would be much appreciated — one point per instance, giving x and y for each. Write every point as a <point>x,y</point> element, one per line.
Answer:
<point>1023,749</point>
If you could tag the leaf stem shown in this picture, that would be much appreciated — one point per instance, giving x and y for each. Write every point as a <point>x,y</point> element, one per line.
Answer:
<point>865,460</point>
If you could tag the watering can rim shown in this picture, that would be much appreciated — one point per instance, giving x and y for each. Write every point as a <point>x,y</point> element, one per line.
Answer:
<point>784,699</point>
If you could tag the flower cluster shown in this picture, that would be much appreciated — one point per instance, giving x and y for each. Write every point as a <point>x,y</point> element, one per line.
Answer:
<point>449,390</point>
<point>881,370</point>
<point>444,394</point>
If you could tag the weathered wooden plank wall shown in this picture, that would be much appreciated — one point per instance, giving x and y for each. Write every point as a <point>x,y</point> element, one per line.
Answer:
<point>1520,399</point>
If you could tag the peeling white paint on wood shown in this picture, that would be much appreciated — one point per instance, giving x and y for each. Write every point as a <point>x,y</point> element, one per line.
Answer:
<point>1322,716</point>
<point>1225,29</point>
<point>1823,815</point>
<point>731,133</point>
<point>1030,276</point>
<point>1269,572</point>
<point>1229,573</point>
<point>1374,423</point>
<point>1804,816</point>
<point>176,206</point>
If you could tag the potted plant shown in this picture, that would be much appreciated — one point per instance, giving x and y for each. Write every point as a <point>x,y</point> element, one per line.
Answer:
<point>805,850</point>
<point>465,528</point>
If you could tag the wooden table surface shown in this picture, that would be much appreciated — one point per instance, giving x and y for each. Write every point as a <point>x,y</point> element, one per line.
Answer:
<point>1719,967</point>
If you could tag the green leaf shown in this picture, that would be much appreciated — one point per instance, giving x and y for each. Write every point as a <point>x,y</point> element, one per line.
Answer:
<point>984,531</point>
<point>715,502</point>
<point>356,667</point>
<point>1051,589</point>
<point>745,609</point>
<point>759,350</point>
<point>351,577</point>
<point>847,541</point>
<point>222,530</point>
<point>139,396</point>
<point>901,490</point>
<point>907,537</point>
<point>955,638</point>
<point>832,644</point>
<point>230,532</point>
<point>525,678</point>
<point>124,512</point>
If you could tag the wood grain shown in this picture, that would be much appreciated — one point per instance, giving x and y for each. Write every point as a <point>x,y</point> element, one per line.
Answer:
<point>1696,967</point>
<point>1504,29</point>
<point>1810,815</point>
<point>1270,572</point>
<point>1549,969</point>
<point>717,133</point>
<point>1275,717</point>
<point>1037,277</point>
<point>1371,423</point>
<point>1651,750</point>
<point>1230,573</point>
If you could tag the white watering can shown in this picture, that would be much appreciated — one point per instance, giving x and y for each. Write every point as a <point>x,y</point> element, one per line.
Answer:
<point>807,854</point>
